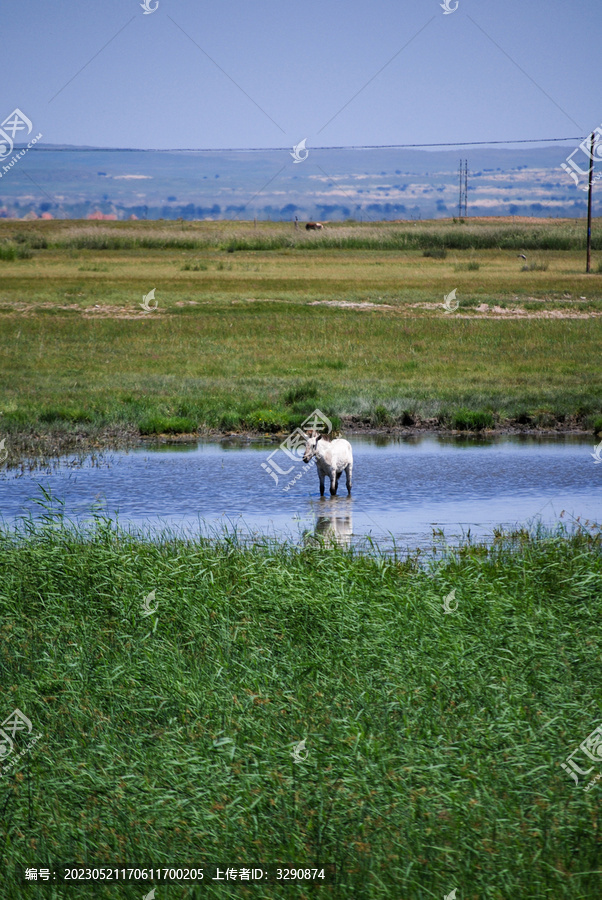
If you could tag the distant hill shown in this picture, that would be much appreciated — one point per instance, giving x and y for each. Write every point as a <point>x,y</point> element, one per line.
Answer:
<point>79,182</point>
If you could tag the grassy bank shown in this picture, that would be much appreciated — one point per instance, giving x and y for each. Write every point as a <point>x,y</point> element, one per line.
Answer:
<point>254,340</point>
<point>434,741</point>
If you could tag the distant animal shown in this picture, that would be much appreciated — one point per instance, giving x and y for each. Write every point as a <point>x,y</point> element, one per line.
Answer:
<point>521,256</point>
<point>332,458</point>
<point>313,226</point>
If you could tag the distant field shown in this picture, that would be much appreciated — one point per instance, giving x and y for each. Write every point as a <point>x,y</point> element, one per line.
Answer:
<point>254,339</point>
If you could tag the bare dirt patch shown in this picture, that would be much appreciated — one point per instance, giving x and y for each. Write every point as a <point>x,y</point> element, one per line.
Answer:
<point>87,312</point>
<point>487,311</point>
<point>483,310</point>
<point>116,312</point>
<point>516,312</point>
<point>348,304</point>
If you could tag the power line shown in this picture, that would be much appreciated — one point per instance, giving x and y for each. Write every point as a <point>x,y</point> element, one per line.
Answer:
<point>51,149</point>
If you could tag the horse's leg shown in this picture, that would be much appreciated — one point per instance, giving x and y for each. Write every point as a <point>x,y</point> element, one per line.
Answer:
<point>348,470</point>
<point>333,481</point>
<point>321,477</point>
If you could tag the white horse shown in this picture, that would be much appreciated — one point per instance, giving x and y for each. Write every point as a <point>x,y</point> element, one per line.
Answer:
<point>332,458</point>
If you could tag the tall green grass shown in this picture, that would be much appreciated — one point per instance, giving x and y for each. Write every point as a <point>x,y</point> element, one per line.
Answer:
<point>434,741</point>
<point>432,243</point>
<point>434,236</point>
<point>10,251</point>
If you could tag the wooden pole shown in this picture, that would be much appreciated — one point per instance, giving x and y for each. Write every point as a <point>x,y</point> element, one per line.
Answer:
<point>460,194</point>
<point>589,205</point>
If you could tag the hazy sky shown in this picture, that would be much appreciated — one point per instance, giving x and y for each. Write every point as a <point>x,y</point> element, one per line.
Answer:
<point>267,74</point>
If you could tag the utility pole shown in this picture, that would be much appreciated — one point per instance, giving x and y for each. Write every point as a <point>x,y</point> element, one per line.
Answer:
<point>589,204</point>
<point>463,198</point>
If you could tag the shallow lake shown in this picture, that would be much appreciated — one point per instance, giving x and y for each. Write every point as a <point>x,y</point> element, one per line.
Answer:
<point>403,488</point>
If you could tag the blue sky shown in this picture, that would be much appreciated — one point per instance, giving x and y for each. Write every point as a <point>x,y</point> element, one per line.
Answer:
<point>282,71</point>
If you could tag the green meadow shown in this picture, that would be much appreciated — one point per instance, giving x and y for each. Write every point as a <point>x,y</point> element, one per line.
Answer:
<point>433,741</point>
<point>256,326</point>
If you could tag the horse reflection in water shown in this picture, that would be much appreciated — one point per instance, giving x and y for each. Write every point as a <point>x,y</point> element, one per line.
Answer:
<point>333,526</point>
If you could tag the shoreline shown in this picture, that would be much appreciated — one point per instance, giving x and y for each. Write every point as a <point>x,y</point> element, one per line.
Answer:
<point>31,450</point>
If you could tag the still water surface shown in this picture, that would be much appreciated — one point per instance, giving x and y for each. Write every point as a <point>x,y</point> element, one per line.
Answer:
<point>403,488</point>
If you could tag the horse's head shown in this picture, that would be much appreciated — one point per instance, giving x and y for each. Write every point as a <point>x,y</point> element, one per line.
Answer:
<point>311,446</point>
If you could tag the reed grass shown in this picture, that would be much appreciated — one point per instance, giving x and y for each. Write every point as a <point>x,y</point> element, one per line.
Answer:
<point>434,235</point>
<point>434,741</point>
